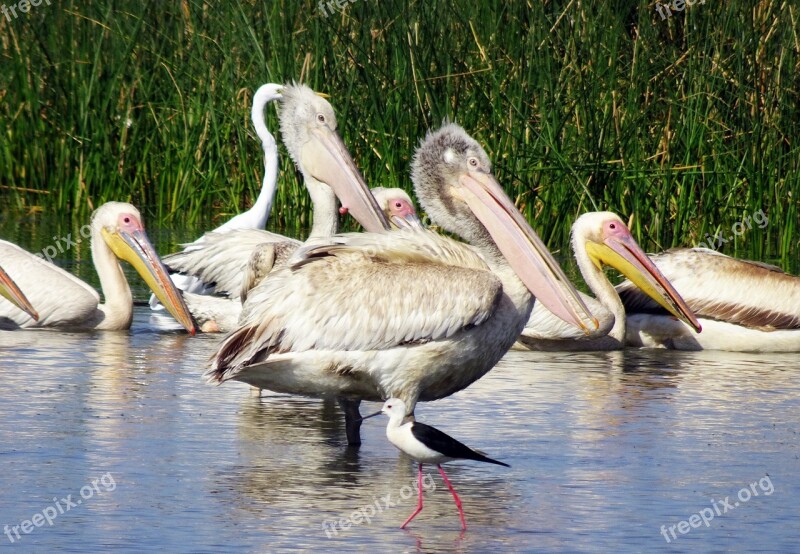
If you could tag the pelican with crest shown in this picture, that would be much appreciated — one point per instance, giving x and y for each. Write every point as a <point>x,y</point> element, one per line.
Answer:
<point>408,314</point>
<point>308,127</point>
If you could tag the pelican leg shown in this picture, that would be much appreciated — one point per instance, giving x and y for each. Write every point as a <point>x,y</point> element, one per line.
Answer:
<point>455,497</point>
<point>352,420</point>
<point>419,501</point>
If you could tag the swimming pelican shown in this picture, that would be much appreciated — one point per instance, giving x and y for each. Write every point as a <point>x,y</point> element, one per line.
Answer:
<point>408,314</point>
<point>603,238</point>
<point>10,291</point>
<point>743,306</point>
<point>256,217</point>
<point>233,263</point>
<point>65,301</point>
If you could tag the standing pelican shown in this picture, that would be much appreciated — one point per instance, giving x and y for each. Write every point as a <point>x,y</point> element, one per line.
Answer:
<point>743,306</point>
<point>603,238</point>
<point>10,291</point>
<point>408,314</point>
<point>65,301</point>
<point>256,217</point>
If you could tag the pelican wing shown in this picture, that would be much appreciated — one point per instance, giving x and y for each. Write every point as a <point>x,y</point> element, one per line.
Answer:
<point>722,288</point>
<point>59,297</point>
<point>218,259</point>
<point>366,292</point>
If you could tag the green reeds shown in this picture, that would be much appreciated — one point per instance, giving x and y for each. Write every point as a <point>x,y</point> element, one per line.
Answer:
<point>688,122</point>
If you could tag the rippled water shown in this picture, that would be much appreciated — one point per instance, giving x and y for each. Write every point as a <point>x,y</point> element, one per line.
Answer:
<point>605,448</point>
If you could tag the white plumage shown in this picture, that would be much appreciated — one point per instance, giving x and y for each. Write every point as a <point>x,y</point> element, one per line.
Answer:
<point>256,217</point>
<point>743,306</point>
<point>602,238</point>
<point>63,300</point>
<point>407,314</point>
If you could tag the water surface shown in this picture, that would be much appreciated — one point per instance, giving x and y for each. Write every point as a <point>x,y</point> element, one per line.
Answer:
<point>605,449</point>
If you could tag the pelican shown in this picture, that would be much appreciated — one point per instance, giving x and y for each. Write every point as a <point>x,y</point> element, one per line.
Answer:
<point>65,301</point>
<point>308,127</point>
<point>395,203</point>
<point>256,217</point>
<point>10,291</point>
<point>743,306</point>
<point>233,263</point>
<point>600,238</point>
<point>408,314</point>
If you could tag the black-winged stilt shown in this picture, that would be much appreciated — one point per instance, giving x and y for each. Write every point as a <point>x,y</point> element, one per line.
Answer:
<point>426,445</point>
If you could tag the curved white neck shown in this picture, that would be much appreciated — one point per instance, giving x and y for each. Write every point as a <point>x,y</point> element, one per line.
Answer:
<point>263,205</point>
<point>602,289</point>
<point>326,214</point>
<point>118,306</point>
<point>269,185</point>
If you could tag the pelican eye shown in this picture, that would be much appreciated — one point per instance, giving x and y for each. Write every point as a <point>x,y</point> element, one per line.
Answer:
<point>398,205</point>
<point>473,162</point>
<point>320,118</point>
<point>127,219</point>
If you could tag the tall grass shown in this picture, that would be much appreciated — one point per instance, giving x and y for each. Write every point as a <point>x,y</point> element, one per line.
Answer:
<point>690,122</point>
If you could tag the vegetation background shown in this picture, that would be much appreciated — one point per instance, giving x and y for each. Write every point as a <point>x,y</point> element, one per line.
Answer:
<point>689,121</point>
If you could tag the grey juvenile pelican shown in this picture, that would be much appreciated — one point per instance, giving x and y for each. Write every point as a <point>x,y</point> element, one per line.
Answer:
<point>408,314</point>
<point>65,301</point>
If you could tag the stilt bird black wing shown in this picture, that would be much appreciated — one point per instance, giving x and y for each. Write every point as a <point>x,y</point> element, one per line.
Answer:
<point>447,445</point>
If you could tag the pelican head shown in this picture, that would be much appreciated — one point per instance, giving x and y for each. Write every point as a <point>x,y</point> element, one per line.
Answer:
<point>398,207</point>
<point>10,291</point>
<point>308,126</point>
<point>607,240</point>
<point>120,226</point>
<point>455,185</point>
